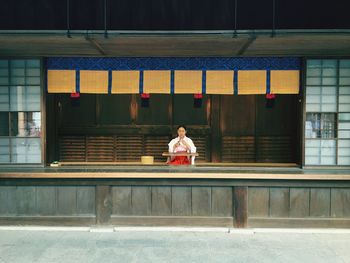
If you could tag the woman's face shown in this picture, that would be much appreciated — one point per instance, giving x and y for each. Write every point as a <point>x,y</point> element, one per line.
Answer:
<point>181,132</point>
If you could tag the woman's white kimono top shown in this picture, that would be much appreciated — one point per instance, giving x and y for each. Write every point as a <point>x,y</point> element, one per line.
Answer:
<point>182,147</point>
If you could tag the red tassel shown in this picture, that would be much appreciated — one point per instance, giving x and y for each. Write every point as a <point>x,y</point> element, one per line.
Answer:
<point>75,95</point>
<point>198,96</point>
<point>145,95</point>
<point>270,96</point>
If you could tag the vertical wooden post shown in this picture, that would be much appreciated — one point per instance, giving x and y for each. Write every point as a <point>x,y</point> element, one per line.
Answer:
<point>215,128</point>
<point>240,204</point>
<point>103,204</point>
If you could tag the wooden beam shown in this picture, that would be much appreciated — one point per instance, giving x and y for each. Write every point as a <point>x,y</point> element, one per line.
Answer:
<point>240,206</point>
<point>178,175</point>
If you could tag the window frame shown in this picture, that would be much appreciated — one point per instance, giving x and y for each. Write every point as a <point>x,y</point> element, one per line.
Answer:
<point>42,100</point>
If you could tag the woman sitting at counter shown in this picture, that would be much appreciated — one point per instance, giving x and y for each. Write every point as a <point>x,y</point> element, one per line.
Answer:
<point>181,144</point>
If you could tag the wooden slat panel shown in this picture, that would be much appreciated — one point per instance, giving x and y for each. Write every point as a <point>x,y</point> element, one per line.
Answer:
<point>258,202</point>
<point>201,201</point>
<point>238,149</point>
<point>320,202</point>
<point>221,201</point>
<point>86,200</point>
<point>201,144</point>
<point>3,200</point>
<point>161,201</point>
<point>155,146</point>
<point>141,200</point>
<point>67,200</point>
<point>25,200</point>
<point>12,200</point>
<point>121,200</point>
<point>46,200</point>
<point>279,202</point>
<point>275,149</point>
<point>103,204</point>
<point>100,148</point>
<point>128,148</point>
<point>181,201</point>
<point>299,202</point>
<point>72,148</point>
<point>340,202</point>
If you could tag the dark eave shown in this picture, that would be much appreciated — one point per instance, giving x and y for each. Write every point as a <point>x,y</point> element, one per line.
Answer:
<point>175,43</point>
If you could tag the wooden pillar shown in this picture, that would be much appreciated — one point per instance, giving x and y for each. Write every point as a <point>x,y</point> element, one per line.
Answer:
<point>240,203</point>
<point>103,204</point>
<point>215,129</point>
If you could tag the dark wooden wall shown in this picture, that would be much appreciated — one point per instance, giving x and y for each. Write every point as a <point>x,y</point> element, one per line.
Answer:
<point>196,202</point>
<point>253,132</point>
<point>173,14</point>
<point>310,206</point>
<point>224,129</point>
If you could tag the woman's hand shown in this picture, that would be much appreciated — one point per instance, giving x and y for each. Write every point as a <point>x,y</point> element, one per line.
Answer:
<point>187,146</point>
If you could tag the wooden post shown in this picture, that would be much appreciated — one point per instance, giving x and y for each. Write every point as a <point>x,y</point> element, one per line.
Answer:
<point>240,204</point>
<point>215,129</point>
<point>103,204</point>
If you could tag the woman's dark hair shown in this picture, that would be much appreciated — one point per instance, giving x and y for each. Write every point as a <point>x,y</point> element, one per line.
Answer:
<point>181,126</point>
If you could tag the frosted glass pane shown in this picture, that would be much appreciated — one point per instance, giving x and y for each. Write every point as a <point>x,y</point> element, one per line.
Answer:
<point>26,150</point>
<point>344,134</point>
<point>33,80</point>
<point>4,99</point>
<point>329,81</point>
<point>3,63</point>
<point>344,152</point>
<point>17,72</point>
<point>344,107</point>
<point>313,107</point>
<point>313,90</point>
<point>314,72</point>
<point>313,63</point>
<point>344,143</point>
<point>313,99</point>
<point>33,63</point>
<point>344,99</point>
<point>4,72</point>
<point>344,116</point>
<point>313,81</point>
<point>312,143</point>
<point>344,81</point>
<point>329,72</point>
<point>329,107</point>
<point>25,98</point>
<point>327,63</point>
<point>17,80</point>
<point>329,99</point>
<point>329,90</point>
<point>33,72</point>
<point>328,151</point>
<point>312,160</point>
<point>4,150</point>
<point>344,72</point>
<point>344,90</point>
<point>343,160</point>
<point>328,143</point>
<point>312,151</point>
<point>17,63</point>
<point>344,63</point>
<point>4,80</point>
<point>344,125</point>
<point>26,124</point>
<point>327,160</point>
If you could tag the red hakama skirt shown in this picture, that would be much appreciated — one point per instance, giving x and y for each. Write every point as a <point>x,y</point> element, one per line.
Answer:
<point>180,160</point>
